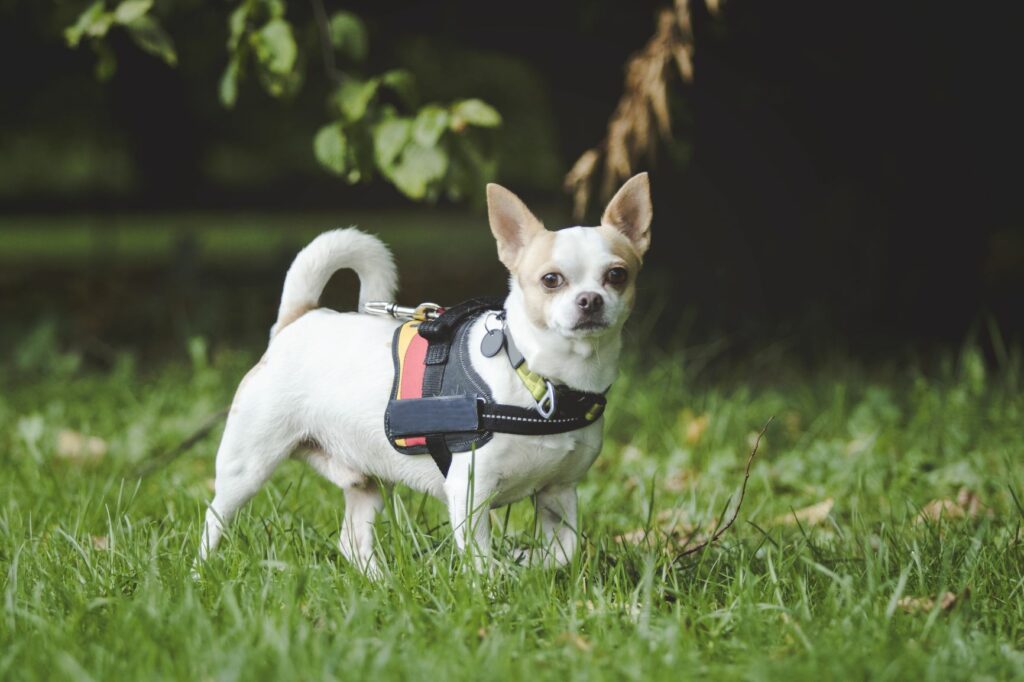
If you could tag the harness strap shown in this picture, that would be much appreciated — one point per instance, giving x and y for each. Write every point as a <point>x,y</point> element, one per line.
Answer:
<point>441,327</point>
<point>419,417</point>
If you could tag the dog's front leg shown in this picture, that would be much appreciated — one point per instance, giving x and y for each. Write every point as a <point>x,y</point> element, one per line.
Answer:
<point>469,511</point>
<point>557,511</point>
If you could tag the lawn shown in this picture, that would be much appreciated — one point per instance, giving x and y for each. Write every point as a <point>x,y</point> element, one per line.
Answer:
<point>880,536</point>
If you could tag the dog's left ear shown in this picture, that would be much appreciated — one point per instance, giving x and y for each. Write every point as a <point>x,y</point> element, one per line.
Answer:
<point>512,223</point>
<point>630,212</point>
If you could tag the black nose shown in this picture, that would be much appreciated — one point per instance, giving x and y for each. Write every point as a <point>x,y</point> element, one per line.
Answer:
<point>590,302</point>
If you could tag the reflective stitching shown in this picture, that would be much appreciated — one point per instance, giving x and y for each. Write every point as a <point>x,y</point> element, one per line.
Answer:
<point>530,419</point>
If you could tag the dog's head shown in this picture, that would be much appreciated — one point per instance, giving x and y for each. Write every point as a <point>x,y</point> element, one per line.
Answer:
<point>578,281</point>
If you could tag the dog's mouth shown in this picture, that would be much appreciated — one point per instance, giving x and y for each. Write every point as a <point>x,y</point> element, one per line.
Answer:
<point>586,327</point>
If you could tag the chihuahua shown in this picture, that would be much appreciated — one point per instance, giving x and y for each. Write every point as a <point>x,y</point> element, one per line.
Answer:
<point>321,389</point>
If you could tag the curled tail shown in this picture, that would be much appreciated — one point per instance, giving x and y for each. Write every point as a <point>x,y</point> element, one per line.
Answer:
<point>325,255</point>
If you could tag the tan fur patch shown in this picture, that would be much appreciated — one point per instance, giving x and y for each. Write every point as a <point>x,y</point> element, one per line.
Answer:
<point>292,315</point>
<point>620,245</point>
<point>248,375</point>
<point>533,263</point>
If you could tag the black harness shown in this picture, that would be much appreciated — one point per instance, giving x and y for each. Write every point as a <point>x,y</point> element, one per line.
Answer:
<point>451,408</point>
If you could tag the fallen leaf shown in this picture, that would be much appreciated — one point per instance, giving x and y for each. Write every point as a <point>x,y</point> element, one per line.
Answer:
<point>809,516</point>
<point>696,427</point>
<point>939,509</point>
<point>967,504</point>
<point>78,447</point>
<point>672,527</point>
<point>970,502</point>
<point>680,480</point>
<point>575,639</point>
<point>925,604</point>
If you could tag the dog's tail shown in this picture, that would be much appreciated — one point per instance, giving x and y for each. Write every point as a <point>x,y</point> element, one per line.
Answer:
<point>325,255</point>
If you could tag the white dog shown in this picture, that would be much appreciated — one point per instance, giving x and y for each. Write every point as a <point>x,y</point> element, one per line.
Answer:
<point>321,390</point>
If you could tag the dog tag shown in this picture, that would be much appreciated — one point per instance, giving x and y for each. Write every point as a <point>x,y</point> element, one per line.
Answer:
<point>492,343</point>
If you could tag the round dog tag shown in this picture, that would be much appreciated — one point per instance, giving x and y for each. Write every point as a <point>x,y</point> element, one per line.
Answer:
<point>492,342</point>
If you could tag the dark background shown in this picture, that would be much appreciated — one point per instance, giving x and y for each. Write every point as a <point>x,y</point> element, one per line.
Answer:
<point>843,174</point>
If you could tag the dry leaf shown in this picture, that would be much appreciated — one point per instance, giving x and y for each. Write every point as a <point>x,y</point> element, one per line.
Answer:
<point>967,504</point>
<point>641,117</point>
<point>970,502</point>
<point>696,427</point>
<point>680,480</point>
<point>672,527</point>
<point>100,542</point>
<point>925,604</point>
<point>575,639</point>
<point>808,516</point>
<point>939,509</point>
<point>78,447</point>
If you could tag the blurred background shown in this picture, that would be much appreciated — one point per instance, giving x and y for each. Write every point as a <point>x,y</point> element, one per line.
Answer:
<point>826,176</point>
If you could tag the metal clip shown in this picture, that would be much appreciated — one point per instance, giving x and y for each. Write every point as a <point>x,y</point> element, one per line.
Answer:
<point>422,312</point>
<point>546,406</point>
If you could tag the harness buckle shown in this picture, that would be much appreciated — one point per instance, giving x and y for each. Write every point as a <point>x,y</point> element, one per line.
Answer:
<point>547,404</point>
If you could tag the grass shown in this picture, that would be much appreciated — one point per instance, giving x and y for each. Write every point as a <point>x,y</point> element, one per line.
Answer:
<point>94,562</point>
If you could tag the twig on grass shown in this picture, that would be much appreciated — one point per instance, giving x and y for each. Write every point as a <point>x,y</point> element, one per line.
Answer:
<point>184,446</point>
<point>735,512</point>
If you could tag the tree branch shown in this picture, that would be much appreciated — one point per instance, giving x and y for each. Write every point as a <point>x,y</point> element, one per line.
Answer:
<point>326,48</point>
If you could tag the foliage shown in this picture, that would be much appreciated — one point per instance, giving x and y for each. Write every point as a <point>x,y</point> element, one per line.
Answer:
<point>136,17</point>
<point>378,123</point>
<point>855,584</point>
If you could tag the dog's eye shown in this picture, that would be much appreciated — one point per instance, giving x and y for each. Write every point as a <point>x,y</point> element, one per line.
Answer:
<point>616,276</point>
<point>552,280</point>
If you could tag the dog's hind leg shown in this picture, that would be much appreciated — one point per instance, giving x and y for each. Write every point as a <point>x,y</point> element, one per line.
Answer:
<point>250,451</point>
<point>363,502</point>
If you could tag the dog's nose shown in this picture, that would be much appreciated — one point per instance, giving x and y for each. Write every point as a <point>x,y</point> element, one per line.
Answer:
<point>590,301</point>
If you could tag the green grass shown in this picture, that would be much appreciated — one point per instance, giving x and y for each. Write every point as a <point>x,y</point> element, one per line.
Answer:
<point>94,562</point>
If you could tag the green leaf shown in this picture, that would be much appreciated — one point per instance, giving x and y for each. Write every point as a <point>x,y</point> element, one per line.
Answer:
<point>420,166</point>
<point>276,47</point>
<point>474,112</point>
<point>430,124</point>
<point>275,8</point>
<point>106,61</point>
<point>149,36</point>
<point>229,83</point>
<point>130,10</point>
<point>93,22</point>
<point>389,137</point>
<point>402,83</point>
<point>236,25</point>
<point>330,147</point>
<point>348,35</point>
<point>354,96</point>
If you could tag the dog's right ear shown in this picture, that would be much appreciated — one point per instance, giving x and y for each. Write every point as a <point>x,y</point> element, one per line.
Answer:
<point>512,224</point>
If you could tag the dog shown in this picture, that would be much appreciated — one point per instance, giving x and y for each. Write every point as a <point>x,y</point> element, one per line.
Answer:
<point>321,389</point>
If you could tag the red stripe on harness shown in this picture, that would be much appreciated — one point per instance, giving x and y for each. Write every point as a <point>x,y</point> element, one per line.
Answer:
<point>413,366</point>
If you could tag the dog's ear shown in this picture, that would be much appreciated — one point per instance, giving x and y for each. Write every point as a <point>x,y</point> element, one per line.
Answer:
<point>630,212</point>
<point>511,223</point>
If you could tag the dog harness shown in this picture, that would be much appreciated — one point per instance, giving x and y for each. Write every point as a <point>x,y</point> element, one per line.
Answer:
<point>440,404</point>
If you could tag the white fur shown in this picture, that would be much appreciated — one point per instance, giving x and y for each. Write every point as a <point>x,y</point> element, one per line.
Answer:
<point>324,256</point>
<point>325,379</point>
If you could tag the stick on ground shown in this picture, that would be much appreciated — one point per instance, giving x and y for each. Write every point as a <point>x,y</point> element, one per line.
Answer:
<point>735,512</point>
<point>184,446</point>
